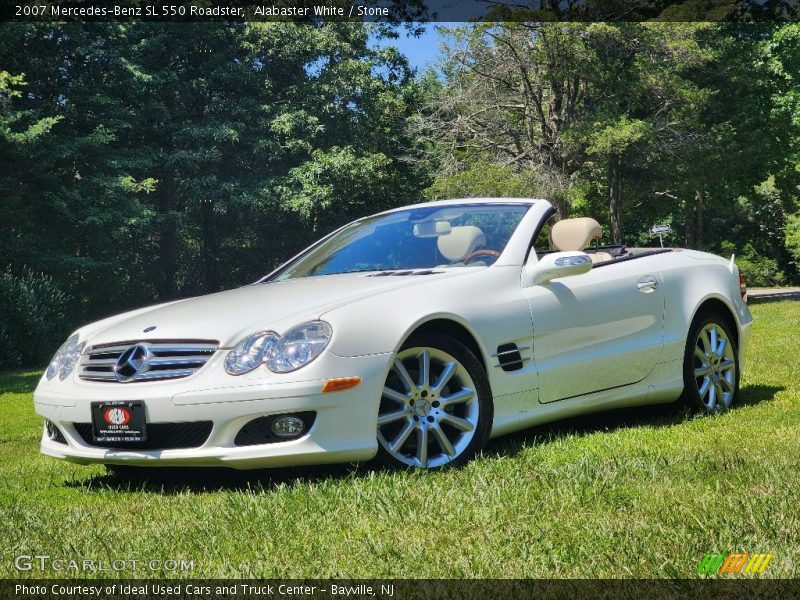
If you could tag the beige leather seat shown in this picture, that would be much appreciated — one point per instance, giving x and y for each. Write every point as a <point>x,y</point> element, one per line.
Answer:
<point>460,242</point>
<point>577,234</point>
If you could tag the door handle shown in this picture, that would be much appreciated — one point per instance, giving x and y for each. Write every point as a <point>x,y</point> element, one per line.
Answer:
<point>647,284</point>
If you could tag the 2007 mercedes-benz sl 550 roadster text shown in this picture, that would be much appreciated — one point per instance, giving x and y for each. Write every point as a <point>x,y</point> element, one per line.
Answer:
<point>415,335</point>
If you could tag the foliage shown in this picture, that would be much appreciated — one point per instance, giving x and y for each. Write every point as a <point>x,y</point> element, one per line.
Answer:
<point>754,228</point>
<point>643,122</point>
<point>760,271</point>
<point>793,238</point>
<point>486,179</point>
<point>150,161</point>
<point>32,312</point>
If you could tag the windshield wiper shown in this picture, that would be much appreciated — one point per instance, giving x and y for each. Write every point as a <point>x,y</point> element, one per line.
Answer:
<point>404,272</point>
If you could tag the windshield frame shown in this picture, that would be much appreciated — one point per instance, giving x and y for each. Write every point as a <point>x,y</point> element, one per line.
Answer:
<point>273,275</point>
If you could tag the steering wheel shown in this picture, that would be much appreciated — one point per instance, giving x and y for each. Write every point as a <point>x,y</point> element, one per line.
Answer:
<point>478,253</point>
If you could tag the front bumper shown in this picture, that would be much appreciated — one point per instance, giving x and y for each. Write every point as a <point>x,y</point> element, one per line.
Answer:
<point>343,430</point>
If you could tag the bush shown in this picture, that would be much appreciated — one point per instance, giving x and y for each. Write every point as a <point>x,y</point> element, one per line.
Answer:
<point>793,238</point>
<point>759,270</point>
<point>32,323</point>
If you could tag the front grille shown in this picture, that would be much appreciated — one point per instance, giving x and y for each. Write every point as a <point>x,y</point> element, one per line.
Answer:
<point>160,436</point>
<point>163,359</point>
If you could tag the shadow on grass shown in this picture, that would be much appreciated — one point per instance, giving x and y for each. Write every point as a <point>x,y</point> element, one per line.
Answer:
<point>169,480</point>
<point>658,415</point>
<point>19,382</point>
<point>181,480</point>
<point>755,394</point>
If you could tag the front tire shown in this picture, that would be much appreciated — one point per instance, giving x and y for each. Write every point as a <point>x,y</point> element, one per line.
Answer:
<point>711,365</point>
<point>436,408</point>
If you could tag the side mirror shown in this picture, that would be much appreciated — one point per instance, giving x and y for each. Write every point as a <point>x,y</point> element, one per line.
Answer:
<point>555,265</point>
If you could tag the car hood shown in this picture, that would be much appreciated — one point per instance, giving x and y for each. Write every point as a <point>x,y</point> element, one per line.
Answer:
<point>231,315</point>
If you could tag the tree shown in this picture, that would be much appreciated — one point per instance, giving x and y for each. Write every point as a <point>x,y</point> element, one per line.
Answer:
<point>676,113</point>
<point>185,158</point>
<point>561,98</point>
<point>512,90</point>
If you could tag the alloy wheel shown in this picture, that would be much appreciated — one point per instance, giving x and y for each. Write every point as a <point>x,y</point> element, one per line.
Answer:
<point>714,368</point>
<point>429,408</point>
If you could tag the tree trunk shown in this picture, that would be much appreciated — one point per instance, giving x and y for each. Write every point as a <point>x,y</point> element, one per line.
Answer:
<point>167,241</point>
<point>210,267</point>
<point>561,206</point>
<point>700,204</point>
<point>615,198</point>
<point>690,227</point>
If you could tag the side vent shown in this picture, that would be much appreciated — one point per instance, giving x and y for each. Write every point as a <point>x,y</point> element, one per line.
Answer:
<point>510,356</point>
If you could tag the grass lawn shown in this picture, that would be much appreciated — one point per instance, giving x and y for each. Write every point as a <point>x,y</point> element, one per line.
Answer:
<point>644,493</point>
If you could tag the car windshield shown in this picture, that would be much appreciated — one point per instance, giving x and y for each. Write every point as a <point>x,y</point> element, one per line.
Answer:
<point>417,238</point>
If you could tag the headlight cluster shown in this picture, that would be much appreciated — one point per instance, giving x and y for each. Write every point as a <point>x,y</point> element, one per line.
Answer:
<point>281,354</point>
<point>65,359</point>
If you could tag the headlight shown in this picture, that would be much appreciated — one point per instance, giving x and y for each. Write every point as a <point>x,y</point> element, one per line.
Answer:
<point>282,354</point>
<point>65,359</point>
<point>299,346</point>
<point>250,352</point>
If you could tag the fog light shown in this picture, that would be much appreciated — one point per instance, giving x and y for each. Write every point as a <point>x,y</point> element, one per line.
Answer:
<point>288,426</point>
<point>53,433</point>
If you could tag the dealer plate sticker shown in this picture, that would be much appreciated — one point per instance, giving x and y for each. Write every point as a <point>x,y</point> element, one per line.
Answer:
<point>118,421</point>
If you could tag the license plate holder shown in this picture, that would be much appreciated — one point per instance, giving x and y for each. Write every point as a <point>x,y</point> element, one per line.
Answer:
<point>119,421</point>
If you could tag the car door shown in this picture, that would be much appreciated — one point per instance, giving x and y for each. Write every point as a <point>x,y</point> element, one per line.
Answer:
<point>596,331</point>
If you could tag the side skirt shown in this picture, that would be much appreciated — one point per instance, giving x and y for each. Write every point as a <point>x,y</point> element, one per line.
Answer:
<point>662,386</point>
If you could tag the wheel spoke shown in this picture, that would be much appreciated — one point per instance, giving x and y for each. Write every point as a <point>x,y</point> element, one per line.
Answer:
<point>701,356</point>
<point>713,347</point>
<point>400,369</point>
<point>422,446</point>
<point>424,368</point>
<point>445,376</point>
<point>702,371</point>
<point>725,384</point>
<point>394,395</point>
<point>704,388</point>
<point>712,395</point>
<point>719,395</point>
<point>727,365</point>
<point>707,343</point>
<point>403,436</point>
<point>457,422</point>
<point>391,417</point>
<point>444,443</point>
<point>720,350</point>
<point>457,397</point>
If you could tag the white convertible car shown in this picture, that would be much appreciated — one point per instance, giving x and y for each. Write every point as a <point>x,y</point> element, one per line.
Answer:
<point>416,334</point>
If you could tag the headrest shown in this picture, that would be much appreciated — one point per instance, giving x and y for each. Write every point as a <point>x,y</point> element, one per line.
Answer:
<point>575,234</point>
<point>460,242</point>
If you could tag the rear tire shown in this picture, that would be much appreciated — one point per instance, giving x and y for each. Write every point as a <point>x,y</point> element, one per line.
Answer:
<point>710,365</point>
<point>436,409</point>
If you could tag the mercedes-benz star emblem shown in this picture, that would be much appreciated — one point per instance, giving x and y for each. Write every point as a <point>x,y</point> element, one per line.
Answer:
<point>132,362</point>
